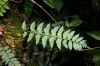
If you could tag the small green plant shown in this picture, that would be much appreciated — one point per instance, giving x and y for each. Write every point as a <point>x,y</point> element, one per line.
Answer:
<point>8,57</point>
<point>57,35</point>
<point>3,6</point>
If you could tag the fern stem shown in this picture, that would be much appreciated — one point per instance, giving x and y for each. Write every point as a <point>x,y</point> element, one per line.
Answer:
<point>90,49</point>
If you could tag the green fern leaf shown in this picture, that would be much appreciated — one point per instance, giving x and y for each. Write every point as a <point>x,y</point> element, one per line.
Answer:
<point>39,28</point>
<point>85,46</point>
<point>3,6</point>
<point>32,27</point>
<point>54,31</point>
<point>11,64</point>
<point>79,39</point>
<point>75,37</point>
<point>71,34</point>
<point>53,34</point>
<point>3,10</point>
<point>51,40</point>
<point>66,33</point>
<point>7,61</point>
<point>59,34</point>
<point>6,48</point>
<point>30,37</point>
<point>11,55</point>
<point>24,26</point>
<point>65,44</point>
<point>58,41</point>
<point>67,23</point>
<point>1,49</point>
<point>8,56</point>
<point>45,38</point>
<point>79,47</point>
<point>4,57</point>
<point>24,34</point>
<point>82,42</point>
<point>8,51</point>
<point>70,45</point>
<point>13,59</point>
<point>1,14</point>
<point>38,36</point>
<point>17,63</point>
<point>75,46</point>
<point>47,29</point>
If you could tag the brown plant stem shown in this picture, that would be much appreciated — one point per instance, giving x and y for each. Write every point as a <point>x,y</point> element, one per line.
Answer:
<point>44,11</point>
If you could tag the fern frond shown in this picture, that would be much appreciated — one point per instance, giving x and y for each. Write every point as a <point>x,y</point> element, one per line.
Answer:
<point>57,35</point>
<point>3,6</point>
<point>8,57</point>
